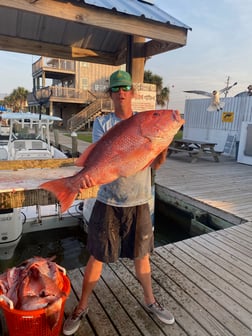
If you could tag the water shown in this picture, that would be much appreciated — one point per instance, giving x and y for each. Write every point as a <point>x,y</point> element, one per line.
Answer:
<point>68,245</point>
<point>167,231</point>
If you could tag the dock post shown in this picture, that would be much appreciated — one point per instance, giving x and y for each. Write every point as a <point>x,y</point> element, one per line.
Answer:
<point>56,138</point>
<point>74,144</point>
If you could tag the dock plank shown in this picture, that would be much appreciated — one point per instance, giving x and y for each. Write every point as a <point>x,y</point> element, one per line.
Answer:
<point>132,283</point>
<point>76,282</point>
<point>235,253</point>
<point>125,286</point>
<point>171,295</point>
<point>217,284</point>
<point>207,295</point>
<point>223,186</point>
<point>236,240</point>
<point>203,280</point>
<point>111,290</point>
<point>231,258</point>
<point>206,281</point>
<point>223,271</point>
<point>97,317</point>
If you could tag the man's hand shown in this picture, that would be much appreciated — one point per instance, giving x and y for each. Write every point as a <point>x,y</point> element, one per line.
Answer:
<point>87,182</point>
<point>160,159</point>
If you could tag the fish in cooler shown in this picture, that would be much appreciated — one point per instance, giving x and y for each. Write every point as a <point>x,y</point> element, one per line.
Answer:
<point>35,284</point>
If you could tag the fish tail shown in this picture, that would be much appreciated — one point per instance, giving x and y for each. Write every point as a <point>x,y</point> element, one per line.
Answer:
<point>61,188</point>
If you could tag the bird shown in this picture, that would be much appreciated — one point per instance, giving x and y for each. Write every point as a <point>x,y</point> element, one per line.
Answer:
<point>216,104</point>
<point>245,93</point>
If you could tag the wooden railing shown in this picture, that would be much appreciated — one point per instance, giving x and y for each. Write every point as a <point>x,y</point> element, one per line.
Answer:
<point>95,105</point>
<point>61,92</point>
<point>89,113</point>
<point>53,64</point>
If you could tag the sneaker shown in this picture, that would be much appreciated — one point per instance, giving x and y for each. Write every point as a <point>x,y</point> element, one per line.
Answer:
<point>72,323</point>
<point>160,312</point>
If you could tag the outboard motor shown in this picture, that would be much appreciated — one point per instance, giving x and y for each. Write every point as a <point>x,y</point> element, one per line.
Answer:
<point>10,232</point>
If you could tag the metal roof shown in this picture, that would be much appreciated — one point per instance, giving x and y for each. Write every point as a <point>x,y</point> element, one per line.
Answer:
<point>88,30</point>
<point>138,8</point>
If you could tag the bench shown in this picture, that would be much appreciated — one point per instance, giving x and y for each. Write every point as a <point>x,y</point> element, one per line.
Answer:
<point>176,150</point>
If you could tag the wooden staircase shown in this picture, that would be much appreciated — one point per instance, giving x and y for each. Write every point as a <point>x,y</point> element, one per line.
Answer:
<point>89,113</point>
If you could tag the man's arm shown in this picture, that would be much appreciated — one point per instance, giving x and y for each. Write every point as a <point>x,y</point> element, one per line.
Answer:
<point>159,160</point>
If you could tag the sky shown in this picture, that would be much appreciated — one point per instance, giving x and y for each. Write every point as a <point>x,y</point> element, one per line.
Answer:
<point>218,47</point>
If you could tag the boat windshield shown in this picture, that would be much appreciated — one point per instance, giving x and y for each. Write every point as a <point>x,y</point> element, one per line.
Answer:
<point>26,132</point>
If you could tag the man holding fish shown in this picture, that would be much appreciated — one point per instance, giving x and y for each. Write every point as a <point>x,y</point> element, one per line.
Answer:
<point>120,225</point>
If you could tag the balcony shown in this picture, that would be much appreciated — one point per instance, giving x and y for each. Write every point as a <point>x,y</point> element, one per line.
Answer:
<point>60,94</point>
<point>55,66</point>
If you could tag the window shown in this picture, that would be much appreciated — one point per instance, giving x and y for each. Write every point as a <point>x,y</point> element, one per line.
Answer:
<point>84,83</point>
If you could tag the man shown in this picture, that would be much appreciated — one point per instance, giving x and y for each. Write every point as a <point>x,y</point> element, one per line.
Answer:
<point>120,224</point>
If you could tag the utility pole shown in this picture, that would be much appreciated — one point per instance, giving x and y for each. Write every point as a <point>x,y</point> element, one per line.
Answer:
<point>227,85</point>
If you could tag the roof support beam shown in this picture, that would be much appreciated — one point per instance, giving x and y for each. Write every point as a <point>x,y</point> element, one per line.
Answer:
<point>15,44</point>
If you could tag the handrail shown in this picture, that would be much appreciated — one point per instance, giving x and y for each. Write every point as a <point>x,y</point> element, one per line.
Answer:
<point>80,119</point>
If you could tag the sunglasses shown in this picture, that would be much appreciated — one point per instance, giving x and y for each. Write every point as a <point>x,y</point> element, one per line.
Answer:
<point>124,88</point>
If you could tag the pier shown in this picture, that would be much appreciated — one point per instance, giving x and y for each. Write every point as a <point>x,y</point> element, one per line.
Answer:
<point>206,280</point>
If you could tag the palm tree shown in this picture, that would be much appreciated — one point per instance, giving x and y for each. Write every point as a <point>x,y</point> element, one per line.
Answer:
<point>164,97</point>
<point>17,99</point>
<point>162,92</point>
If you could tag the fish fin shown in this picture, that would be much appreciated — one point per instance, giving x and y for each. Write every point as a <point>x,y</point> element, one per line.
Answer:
<point>52,312</point>
<point>81,160</point>
<point>61,189</point>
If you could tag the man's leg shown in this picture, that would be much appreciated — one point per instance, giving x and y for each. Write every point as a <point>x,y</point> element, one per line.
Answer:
<point>143,274</point>
<point>92,275</point>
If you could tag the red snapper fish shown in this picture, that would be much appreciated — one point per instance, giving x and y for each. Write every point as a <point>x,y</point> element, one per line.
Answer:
<point>35,284</point>
<point>125,149</point>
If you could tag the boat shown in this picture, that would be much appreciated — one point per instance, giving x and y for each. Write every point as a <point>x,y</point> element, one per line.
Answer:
<point>4,134</point>
<point>29,137</point>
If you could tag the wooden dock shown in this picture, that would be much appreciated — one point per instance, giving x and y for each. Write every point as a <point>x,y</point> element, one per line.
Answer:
<point>223,188</point>
<point>206,281</point>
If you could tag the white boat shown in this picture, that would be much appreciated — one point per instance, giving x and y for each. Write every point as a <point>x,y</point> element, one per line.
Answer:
<point>29,137</point>
<point>4,136</point>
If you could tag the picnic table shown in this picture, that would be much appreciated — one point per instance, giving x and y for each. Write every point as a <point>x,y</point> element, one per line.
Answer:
<point>194,148</point>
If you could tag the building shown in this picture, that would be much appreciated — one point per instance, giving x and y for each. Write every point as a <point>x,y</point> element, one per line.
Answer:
<point>76,91</point>
<point>230,127</point>
<point>66,88</point>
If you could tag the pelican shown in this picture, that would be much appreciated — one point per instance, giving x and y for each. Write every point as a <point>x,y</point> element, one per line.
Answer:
<point>216,104</point>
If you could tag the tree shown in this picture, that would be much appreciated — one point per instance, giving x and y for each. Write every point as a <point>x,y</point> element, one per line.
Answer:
<point>17,99</point>
<point>162,92</point>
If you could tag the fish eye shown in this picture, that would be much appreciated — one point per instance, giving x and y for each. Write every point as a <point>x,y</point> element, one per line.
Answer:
<point>156,114</point>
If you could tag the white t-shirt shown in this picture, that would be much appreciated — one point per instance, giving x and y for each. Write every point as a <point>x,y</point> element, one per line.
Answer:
<point>125,191</point>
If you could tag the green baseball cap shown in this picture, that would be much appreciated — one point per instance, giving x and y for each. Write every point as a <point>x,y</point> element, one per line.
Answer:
<point>120,78</point>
